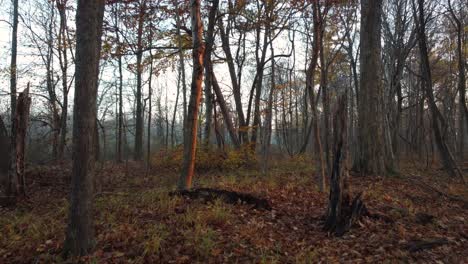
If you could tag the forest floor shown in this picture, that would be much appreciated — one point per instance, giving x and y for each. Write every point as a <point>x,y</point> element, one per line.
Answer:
<point>137,221</point>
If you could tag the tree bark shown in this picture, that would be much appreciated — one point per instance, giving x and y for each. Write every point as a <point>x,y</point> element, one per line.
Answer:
<point>438,122</point>
<point>236,90</point>
<point>210,37</point>
<point>13,75</point>
<point>63,58</point>
<point>190,135</point>
<point>371,137</point>
<point>138,154</point>
<point>181,63</point>
<point>463,115</point>
<point>80,231</point>
<point>225,112</point>
<point>21,123</point>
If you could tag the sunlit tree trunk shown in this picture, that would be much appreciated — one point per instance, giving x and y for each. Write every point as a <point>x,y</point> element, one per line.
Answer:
<point>190,135</point>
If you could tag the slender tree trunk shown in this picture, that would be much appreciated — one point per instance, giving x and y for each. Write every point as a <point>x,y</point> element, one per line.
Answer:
<point>463,116</point>
<point>225,111</point>
<point>173,139</point>
<point>182,63</point>
<point>80,231</point>
<point>269,113</point>
<point>438,122</point>
<point>119,147</point>
<point>63,58</point>
<point>259,82</point>
<point>148,128</point>
<point>234,81</point>
<point>209,69</point>
<point>138,154</point>
<point>190,136</point>
<point>13,72</point>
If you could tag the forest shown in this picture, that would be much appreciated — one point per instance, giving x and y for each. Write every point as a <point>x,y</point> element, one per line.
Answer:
<point>233,131</point>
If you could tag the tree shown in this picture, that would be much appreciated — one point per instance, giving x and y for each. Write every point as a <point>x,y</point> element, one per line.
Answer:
<point>63,46</point>
<point>190,134</point>
<point>89,19</point>
<point>371,158</point>
<point>438,121</point>
<point>12,176</point>
<point>458,24</point>
<point>138,154</point>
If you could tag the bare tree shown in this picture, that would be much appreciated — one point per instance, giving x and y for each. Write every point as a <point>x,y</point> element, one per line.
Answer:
<point>438,121</point>
<point>457,21</point>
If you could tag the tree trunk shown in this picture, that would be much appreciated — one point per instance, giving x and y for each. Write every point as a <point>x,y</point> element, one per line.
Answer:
<point>21,123</point>
<point>225,112</point>
<point>181,63</point>
<point>13,72</point>
<point>236,90</point>
<point>150,93</point>
<point>463,115</point>
<point>138,154</point>
<point>63,58</point>
<point>371,137</point>
<point>190,135</point>
<point>80,231</point>
<point>269,113</point>
<point>209,69</point>
<point>438,122</point>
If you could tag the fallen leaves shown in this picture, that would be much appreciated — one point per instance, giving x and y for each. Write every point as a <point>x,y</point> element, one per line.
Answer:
<point>136,221</point>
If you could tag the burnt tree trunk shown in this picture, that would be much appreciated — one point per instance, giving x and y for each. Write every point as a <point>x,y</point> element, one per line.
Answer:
<point>21,123</point>
<point>341,214</point>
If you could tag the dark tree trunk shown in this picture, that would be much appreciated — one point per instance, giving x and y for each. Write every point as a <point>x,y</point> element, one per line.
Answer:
<point>190,135</point>
<point>225,111</point>
<point>138,154</point>
<point>80,231</point>
<point>63,58</point>
<point>341,214</point>
<point>13,72</point>
<point>21,123</point>
<point>438,122</point>
<point>463,115</point>
<point>234,81</point>
<point>210,37</point>
<point>371,135</point>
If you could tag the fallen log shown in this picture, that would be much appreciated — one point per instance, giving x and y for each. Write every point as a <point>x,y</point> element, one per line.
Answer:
<point>417,245</point>
<point>231,197</point>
